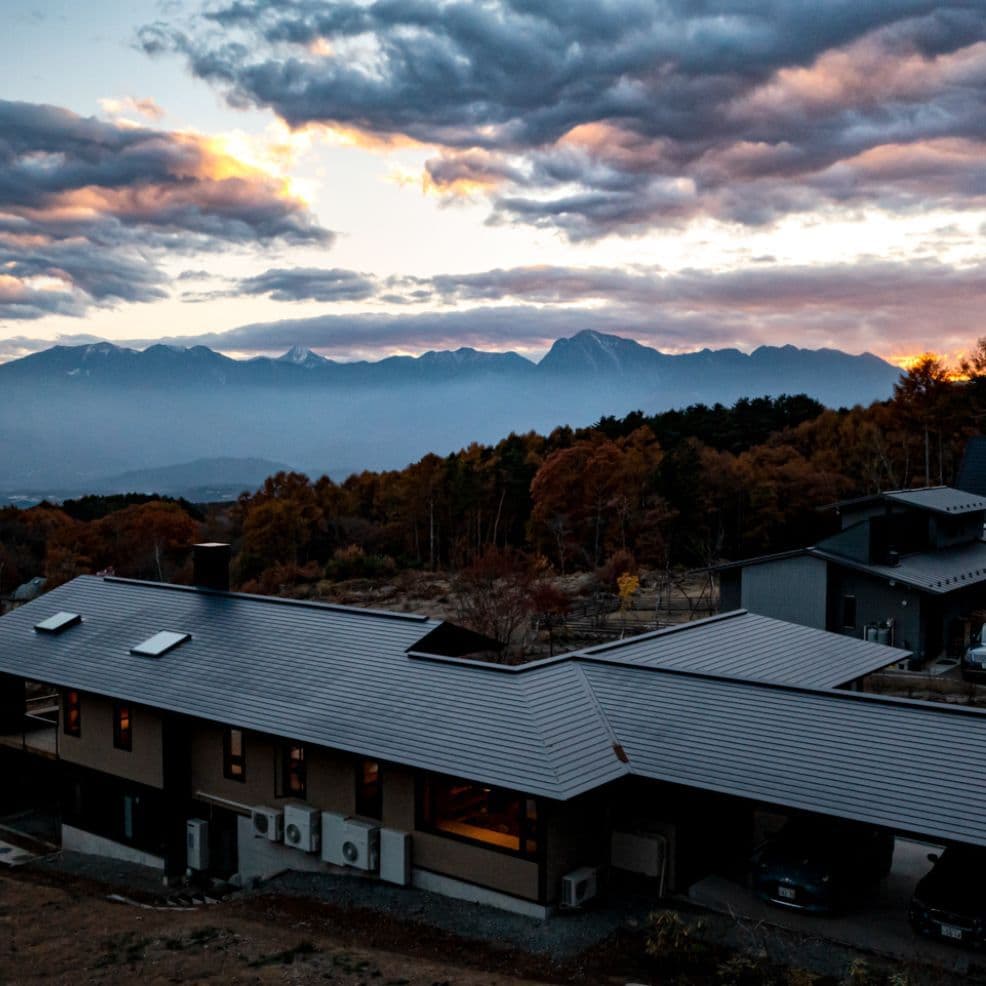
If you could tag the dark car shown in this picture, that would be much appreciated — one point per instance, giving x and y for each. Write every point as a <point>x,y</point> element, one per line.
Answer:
<point>974,659</point>
<point>821,865</point>
<point>950,901</point>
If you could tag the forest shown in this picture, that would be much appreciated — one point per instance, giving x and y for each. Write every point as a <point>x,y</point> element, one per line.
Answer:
<point>680,489</point>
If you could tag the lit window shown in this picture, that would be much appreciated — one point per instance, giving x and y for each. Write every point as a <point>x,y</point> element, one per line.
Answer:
<point>493,816</point>
<point>295,780</point>
<point>123,737</point>
<point>234,755</point>
<point>369,793</point>
<point>72,714</point>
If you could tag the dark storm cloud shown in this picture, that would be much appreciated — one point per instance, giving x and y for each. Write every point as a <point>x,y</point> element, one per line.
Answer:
<point>309,284</point>
<point>87,207</point>
<point>600,116</point>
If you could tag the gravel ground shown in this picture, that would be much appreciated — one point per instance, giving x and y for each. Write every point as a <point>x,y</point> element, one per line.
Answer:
<point>562,937</point>
<point>562,942</point>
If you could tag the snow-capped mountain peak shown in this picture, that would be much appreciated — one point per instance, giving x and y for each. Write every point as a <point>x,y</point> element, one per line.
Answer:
<point>302,356</point>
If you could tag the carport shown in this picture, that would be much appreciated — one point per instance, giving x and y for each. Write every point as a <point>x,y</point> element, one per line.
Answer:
<point>918,768</point>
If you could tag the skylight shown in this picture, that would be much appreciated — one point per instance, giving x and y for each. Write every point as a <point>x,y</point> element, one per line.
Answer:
<point>160,643</point>
<point>58,623</point>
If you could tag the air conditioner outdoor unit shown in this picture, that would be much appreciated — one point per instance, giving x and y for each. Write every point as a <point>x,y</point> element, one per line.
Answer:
<point>197,844</point>
<point>302,827</point>
<point>268,823</point>
<point>350,842</point>
<point>579,886</point>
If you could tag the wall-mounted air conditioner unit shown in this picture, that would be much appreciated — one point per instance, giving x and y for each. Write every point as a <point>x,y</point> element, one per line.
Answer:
<point>350,842</point>
<point>268,823</point>
<point>197,844</point>
<point>579,886</point>
<point>395,856</point>
<point>302,827</point>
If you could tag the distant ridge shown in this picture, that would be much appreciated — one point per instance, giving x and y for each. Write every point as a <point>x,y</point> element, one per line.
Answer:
<point>218,473</point>
<point>78,414</point>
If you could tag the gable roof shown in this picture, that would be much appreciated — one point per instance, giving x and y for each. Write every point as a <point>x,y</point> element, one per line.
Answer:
<point>938,572</point>
<point>939,499</point>
<point>746,646</point>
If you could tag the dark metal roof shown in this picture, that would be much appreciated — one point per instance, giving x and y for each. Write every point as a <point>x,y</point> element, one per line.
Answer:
<point>939,499</point>
<point>939,572</point>
<point>758,560</point>
<point>327,675</point>
<point>915,767</point>
<point>744,645</point>
<point>341,678</point>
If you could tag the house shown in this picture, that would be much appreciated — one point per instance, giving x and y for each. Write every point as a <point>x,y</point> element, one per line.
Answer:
<point>971,477</point>
<point>908,567</point>
<point>228,734</point>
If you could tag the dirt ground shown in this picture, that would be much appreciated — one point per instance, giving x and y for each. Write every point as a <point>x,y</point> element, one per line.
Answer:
<point>65,930</point>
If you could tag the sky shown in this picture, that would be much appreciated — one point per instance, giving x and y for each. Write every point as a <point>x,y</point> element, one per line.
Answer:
<point>370,178</point>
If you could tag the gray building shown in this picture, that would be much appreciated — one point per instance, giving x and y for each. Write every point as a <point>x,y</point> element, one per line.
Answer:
<point>908,568</point>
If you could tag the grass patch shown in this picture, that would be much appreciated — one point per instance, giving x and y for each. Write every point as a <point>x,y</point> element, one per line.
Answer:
<point>125,949</point>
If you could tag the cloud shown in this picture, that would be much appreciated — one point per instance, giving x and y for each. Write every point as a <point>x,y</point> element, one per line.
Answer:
<point>88,207</point>
<point>596,117</point>
<point>146,108</point>
<point>14,347</point>
<point>876,305</point>
<point>309,284</point>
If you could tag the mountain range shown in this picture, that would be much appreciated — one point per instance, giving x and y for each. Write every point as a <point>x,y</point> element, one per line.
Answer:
<point>78,413</point>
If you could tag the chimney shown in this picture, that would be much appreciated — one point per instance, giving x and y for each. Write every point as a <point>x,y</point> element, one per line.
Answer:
<point>211,566</point>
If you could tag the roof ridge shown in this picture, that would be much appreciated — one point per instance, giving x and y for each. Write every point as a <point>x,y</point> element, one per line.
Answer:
<point>258,597</point>
<point>660,632</point>
<point>618,749</point>
<point>943,708</point>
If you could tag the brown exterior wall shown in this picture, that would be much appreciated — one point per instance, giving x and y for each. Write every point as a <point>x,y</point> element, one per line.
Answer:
<point>449,857</point>
<point>331,777</point>
<point>94,748</point>
<point>577,834</point>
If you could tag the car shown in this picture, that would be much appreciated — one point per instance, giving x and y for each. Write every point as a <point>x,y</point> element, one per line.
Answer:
<point>974,659</point>
<point>821,865</point>
<point>949,902</point>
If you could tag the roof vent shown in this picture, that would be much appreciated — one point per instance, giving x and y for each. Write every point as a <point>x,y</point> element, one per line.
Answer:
<point>160,643</point>
<point>57,623</point>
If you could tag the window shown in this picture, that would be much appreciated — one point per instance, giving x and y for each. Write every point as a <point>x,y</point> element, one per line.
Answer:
<point>495,817</point>
<point>72,714</point>
<point>369,792</point>
<point>160,643</point>
<point>295,780</point>
<point>234,755</point>
<point>849,612</point>
<point>123,737</point>
<point>57,623</point>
